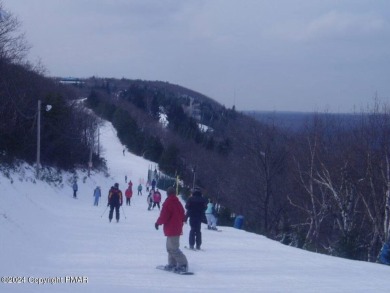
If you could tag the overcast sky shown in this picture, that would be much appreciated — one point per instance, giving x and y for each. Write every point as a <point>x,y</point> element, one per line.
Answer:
<point>279,55</point>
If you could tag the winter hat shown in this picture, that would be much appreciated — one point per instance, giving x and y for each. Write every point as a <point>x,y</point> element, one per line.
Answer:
<point>171,190</point>
<point>116,185</point>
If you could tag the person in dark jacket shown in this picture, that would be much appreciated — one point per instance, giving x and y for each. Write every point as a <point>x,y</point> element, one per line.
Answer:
<point>154,183</point>
<point>75,188</point>
<point>115,200</point>
<point>172,217</point>
<point>149,199</point>
<point>196,206</point>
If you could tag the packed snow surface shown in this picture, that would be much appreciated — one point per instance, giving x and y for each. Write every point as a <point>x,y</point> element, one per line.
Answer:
<point>51,242</point>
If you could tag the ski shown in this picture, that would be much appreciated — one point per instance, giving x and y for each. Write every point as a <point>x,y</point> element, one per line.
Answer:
<point>172,271</point>
<point>215,230</point>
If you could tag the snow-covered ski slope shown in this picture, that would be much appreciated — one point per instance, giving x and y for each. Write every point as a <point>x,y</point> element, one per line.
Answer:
<point>47,236</point>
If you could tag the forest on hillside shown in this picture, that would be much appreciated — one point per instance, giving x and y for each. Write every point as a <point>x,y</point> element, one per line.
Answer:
<point>65,127</point>
<point>323,187</point>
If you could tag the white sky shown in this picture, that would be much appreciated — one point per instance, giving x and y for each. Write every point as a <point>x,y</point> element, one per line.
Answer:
<point>283,55</point>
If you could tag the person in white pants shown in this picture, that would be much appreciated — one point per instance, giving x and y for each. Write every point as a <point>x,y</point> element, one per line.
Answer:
<point>210,216</point>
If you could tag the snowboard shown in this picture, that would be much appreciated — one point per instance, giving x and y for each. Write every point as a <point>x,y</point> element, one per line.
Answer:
<point>171,271</point>
<point>193,249</point>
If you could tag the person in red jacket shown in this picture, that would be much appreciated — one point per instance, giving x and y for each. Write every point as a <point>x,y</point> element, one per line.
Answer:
<point>172,217</point>
<point>156,199</point>
<point>129,193</point>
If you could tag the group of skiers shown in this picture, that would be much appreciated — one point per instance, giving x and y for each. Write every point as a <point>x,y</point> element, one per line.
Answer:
<point>172,217</point>
<point>115,198</point>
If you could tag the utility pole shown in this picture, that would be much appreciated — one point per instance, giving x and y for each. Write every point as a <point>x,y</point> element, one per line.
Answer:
<point>38,139</point>
<point>92,142</point>
<point>90,162</point>
<point>98,142</point>
<point>48,107</point>
<point>177,184</point>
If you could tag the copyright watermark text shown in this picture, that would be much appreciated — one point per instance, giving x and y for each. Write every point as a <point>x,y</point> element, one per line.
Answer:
<point>44,281</point>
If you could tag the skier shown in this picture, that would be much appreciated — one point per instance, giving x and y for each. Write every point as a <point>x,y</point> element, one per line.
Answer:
<point>156,199</point>
<point>195,206</point>
<point>139,189</point>
<point>154,182</point>
<point>129,193</point>
<point>172,217</point>
<point>211,216</point>
<point>115,200</point>
<point>149,199</point>
<point>97,194</point>
<point>147,186</point>
<point>75,188</point>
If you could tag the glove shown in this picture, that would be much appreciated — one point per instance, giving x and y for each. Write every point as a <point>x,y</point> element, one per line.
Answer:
<point>156,226</point>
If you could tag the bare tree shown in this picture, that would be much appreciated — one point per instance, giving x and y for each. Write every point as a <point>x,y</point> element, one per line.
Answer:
<point>374,137</point>
<point>317,206</point>
<point>266,146</point>
<point>13,45</point>
<point>325,171</point>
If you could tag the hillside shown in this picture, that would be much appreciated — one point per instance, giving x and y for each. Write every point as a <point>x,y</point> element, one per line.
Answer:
<point>48,234</point>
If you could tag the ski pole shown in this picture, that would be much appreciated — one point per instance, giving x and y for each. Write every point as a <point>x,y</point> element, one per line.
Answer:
<point>104,212</point>
<point>123,211</point>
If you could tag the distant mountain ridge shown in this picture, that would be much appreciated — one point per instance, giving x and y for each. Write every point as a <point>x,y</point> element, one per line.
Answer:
<point>294,120</point>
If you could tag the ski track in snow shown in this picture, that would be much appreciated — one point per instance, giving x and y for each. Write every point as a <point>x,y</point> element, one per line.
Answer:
<point>45,233</point>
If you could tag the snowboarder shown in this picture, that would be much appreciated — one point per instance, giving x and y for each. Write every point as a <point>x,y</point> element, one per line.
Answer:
<point>156,199</point>
<point>115,200</point>
<point>195,206</point>
<point>211,216</point>
<point>172,217</point>
<point>97,194</point>
<point>129,193</point>
<point>139,189</point>
<point>75,188</point>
